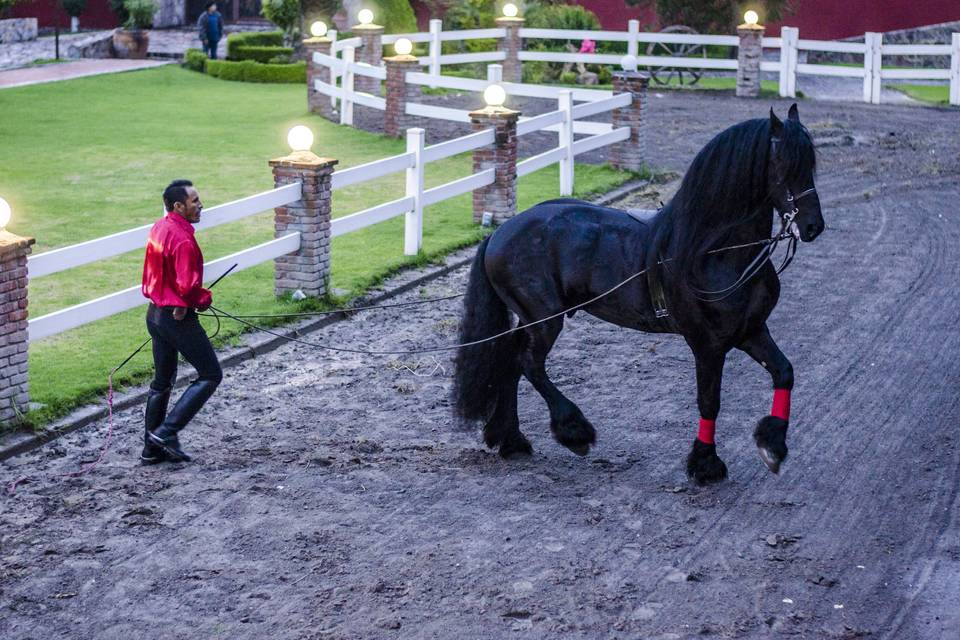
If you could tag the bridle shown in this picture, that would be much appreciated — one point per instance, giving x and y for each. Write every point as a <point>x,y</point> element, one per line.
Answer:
<point>789,231</point>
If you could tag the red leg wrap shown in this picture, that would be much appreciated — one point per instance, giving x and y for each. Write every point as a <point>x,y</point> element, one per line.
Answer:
<point>707,429</point>
<point>781,404</point>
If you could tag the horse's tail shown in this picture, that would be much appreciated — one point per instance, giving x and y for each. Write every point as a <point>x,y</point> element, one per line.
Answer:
<point>477,367</point>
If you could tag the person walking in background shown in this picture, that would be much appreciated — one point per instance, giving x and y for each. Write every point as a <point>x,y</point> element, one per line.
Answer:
<point>210,26</point>
<point>173,281</point>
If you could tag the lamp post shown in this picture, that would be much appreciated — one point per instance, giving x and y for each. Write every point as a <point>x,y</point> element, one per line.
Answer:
<point>749,54</point>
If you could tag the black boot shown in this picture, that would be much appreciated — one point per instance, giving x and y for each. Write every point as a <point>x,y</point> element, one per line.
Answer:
<point>183,411</point>
<point>153,417</point>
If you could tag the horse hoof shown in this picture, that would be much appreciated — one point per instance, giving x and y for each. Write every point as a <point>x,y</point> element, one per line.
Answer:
<point>579,449</point>
<point>770,459</point>
<point>771,438</point>
<point>704,465</point>
<point>516,447</point>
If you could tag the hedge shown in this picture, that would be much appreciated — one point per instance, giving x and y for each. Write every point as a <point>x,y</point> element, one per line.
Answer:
<point>260,53</point>
<point>250,71</point>
<point>255,39</point>
<point>195,59</point>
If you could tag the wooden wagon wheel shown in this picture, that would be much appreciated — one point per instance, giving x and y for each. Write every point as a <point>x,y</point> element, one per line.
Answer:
<point>667,75</point>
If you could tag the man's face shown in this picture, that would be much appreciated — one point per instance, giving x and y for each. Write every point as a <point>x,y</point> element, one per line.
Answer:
<point>212,8</point>
<point>190,209</point>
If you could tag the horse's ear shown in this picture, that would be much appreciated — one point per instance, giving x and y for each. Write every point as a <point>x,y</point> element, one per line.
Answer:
<point>794,113</point>
<point>776,126</point>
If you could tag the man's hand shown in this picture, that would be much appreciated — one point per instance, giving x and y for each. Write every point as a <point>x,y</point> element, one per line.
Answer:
<point>179,313</point>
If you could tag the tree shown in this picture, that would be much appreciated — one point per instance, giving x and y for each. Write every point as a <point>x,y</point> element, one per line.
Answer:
<point>713,16</point>
<point>6,5</point>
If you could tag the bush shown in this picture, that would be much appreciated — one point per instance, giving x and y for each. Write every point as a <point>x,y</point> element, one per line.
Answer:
<point>568,77</point>
<point>6,5</point>
<point>261,39</point>
<point>260,53</point>
<point>195,60</point>
<point>250,71</point>
<point>73,7</point>
<point>559,17</point>
<point>140,12</point>
<point>396,16</point>
<point>286,15</point>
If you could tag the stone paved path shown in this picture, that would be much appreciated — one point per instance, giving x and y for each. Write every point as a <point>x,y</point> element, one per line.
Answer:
<point>71,70</point>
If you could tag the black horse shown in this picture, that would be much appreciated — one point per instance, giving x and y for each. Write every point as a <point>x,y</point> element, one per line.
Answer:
<point>564,253</point>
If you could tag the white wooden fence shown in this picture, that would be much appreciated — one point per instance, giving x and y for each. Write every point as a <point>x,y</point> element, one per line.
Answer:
<point>787,66</point>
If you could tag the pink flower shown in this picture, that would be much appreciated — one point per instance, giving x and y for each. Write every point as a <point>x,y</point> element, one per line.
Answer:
<point>588,46</point>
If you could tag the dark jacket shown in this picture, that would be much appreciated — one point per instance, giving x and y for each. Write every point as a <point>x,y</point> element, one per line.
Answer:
<point>210,26</point>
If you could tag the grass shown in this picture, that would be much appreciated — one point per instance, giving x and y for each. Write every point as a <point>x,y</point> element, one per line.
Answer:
<point>929,93</point>
<point>85,158</point>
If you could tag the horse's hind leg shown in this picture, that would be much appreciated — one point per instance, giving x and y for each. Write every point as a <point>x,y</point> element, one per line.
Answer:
<point>503,427</point>
<point>568,424</point>
<point>771,432</point>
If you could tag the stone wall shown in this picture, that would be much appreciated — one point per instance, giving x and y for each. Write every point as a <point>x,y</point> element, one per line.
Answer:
<point>18,30</point>
<point>170,13</point>
<point>95,46</point>
<point>930,34</point>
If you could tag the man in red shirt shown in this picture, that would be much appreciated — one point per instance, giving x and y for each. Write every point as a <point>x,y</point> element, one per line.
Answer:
<point>173,281</point>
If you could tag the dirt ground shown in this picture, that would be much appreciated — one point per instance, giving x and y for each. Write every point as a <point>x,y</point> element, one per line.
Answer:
<point>332,496</point>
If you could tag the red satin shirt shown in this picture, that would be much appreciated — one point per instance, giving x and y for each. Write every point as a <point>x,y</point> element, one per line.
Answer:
<point>173,265</point>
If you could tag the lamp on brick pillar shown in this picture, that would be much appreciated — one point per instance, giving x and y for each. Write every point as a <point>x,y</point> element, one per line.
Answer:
<point>399,91</point>
<point>14,390</point>
<point>499,198</point>
<point>318,102</point>
<point>629,154</point>
<point>749,55</point>
<point>307,270</point>
<point>371,50</point>
<point>510,44</point>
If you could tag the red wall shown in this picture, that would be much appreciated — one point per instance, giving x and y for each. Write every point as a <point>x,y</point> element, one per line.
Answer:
<point>834,19</point>
<point>97,15</point>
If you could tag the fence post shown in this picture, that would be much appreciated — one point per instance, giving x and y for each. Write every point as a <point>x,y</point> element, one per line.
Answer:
<point>307,270</point>
<point>789,36</point>
<point>318,102</point>
<point>499,198</point>
<point>630,154</point>
<point>371,52</point>
<point>955,71</point>
<point>14,388</point>
<point>873,63</point>
<point>633,44</point>
<point>399,93</point>
<point>436,26</point>
<point>511,45</point>
<point>413,222</point>
<point>749,54</point>
<point>565,104</point>
<point>494,73</point>
<point>332,35</point>
<point>346,105</point>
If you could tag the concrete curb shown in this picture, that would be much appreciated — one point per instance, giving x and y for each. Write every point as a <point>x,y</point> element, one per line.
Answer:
<point>20,442</point>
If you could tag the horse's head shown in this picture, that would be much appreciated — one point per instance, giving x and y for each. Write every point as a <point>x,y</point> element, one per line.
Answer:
<point>791,176</point>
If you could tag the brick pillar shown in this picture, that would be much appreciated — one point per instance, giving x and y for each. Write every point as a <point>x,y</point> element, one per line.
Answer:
<point>748,60</point>
<point>630,154</point>
<point>371,52</point>
<point>14,392</point>
<point>399,93</point>
<point>499,198</point>
<point>318,102</point>
<point>309,268</point>
<point>512,67</point>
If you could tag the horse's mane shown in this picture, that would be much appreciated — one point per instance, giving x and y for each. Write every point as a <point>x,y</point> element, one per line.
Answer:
<point>726,186</point>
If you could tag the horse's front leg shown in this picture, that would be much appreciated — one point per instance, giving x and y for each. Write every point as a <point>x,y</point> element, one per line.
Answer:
<point>703,463</point>
<point>771,431</point>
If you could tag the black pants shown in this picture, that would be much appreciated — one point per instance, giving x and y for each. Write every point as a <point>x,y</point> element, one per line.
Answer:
<point>186,337</point>
<point>210,48</point>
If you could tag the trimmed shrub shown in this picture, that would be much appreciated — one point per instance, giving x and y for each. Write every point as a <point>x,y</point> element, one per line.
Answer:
<point>250,71</point>
<point>395,15</point>
<point>261,39</point>
<point>195,60</point>
<point>260,53</point>
<point>286,15</point>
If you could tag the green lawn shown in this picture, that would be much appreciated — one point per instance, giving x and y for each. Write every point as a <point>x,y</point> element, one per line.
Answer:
<point>89,157</point>
<point>932,94</point>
